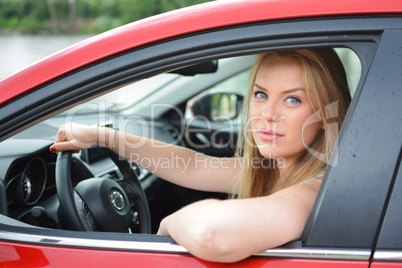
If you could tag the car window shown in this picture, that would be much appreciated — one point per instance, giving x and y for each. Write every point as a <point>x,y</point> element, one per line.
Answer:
<point>126,96</point>
<point>352,67</point>
<point>238,84</point>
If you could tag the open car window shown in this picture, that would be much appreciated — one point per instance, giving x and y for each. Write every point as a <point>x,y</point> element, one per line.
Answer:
<point>175,122</point>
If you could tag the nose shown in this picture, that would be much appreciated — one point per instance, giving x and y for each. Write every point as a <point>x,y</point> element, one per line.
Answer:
<point>271,111</point>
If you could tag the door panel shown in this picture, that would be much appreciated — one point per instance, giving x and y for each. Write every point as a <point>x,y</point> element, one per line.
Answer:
<point>20,255</point>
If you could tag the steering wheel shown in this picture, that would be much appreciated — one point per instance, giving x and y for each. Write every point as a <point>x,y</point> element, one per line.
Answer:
<point>102,204</point>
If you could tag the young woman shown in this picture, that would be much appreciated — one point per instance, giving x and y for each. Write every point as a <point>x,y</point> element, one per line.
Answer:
<point>294,108</point>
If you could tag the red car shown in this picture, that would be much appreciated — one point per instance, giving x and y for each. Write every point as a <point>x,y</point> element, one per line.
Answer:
<point>159,75</point>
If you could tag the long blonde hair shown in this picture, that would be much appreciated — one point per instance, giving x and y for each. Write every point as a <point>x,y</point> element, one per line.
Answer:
<point>327,90</point>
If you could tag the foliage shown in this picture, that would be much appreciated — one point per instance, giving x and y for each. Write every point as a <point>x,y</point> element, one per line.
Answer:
<point>85,16</point>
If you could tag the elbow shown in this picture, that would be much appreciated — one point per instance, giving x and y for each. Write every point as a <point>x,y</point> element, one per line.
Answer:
<point>214,244</point>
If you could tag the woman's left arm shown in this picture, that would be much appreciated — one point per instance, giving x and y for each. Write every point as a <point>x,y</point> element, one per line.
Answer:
<point>231,230</point>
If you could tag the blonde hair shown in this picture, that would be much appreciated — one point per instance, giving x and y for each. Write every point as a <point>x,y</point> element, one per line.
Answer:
<point>327,89</point>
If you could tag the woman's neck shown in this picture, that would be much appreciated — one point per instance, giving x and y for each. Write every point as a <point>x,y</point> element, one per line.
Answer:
<point>286,167</point>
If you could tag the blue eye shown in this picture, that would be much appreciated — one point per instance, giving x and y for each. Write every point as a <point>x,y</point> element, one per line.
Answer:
<point>260,95</point>
<point>293,100</point>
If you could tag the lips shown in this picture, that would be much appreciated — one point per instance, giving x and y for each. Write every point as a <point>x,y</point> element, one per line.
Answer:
<point>269,135</point>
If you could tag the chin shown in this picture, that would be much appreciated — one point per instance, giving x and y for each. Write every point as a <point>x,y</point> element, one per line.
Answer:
<point>269,153</point>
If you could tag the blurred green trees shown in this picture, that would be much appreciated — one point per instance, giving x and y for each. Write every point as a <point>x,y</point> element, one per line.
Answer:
<point>79,16</point>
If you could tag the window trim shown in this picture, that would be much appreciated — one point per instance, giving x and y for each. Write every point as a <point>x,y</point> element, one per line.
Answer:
<point>171,247</point>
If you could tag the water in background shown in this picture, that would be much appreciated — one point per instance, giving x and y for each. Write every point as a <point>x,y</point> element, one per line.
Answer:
<point>18,51</point>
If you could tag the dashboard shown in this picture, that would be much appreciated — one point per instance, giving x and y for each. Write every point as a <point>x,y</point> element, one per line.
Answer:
<point>27,174</point>
<point>28,178</point>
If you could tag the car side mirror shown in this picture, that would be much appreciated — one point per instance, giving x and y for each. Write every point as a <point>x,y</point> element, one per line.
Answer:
<point>215,106</point>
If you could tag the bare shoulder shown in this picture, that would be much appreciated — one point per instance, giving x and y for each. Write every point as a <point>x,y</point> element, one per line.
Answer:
<point>298,199</point>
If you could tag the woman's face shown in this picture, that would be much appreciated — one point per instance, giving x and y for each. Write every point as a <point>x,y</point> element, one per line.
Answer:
<point>280,111</point>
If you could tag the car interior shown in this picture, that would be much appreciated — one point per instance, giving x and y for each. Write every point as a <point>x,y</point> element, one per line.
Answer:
<point>196,106</point>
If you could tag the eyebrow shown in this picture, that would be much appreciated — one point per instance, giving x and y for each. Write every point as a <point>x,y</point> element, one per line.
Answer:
<point>284,92</point>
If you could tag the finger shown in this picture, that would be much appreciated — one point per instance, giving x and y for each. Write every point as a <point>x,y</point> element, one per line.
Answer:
<point>63,146</point>
<point>53,149</point>
<point>61,134</point>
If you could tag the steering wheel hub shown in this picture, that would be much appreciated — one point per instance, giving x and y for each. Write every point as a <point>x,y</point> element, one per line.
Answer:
<point>117,200</point>
<point>101,203</point>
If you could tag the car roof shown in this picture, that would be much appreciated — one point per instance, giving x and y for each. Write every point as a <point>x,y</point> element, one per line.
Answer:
<point>201,17</point>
